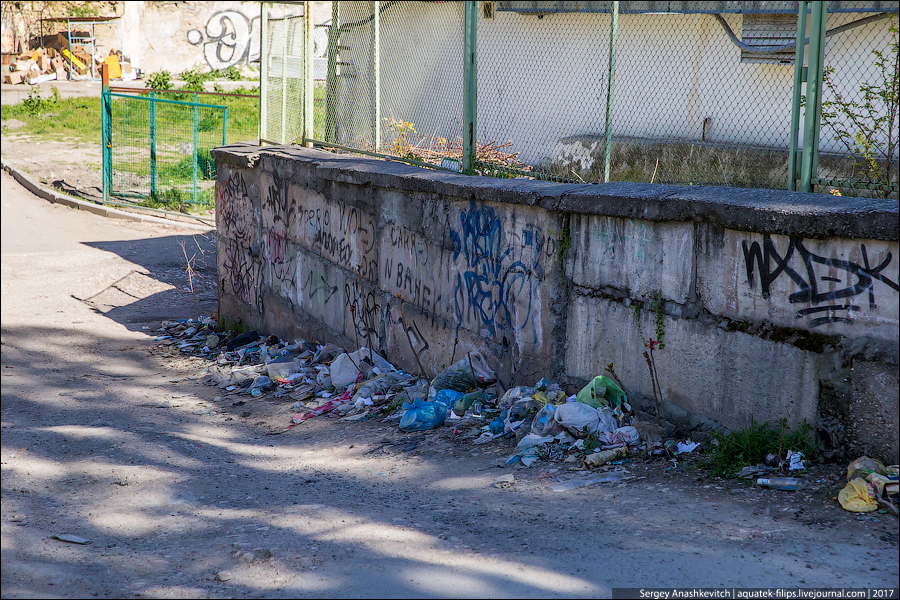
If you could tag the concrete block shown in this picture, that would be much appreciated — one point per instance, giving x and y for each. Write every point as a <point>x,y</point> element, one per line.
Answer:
<point>727,376</point>
<point>873,426</point>
<point>642,257</point>
<point>831,286</point>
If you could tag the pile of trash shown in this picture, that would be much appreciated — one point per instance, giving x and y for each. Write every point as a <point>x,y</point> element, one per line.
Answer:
<point>870,485</point>
<point>595,427</point>
<point>65,57</point>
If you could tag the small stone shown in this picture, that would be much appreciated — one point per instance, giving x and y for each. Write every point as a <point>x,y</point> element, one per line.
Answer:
<point>248,557</point>
<point>212,341</point>
<point>224,576</point>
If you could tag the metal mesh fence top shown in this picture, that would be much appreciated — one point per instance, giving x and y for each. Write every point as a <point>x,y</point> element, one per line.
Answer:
<point>701,94</point>
<point>161,148</point>
<point>858,139</point>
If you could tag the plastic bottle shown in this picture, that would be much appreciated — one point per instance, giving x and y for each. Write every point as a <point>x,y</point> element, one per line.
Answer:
<point>601,458</point>
<point>782,483</point>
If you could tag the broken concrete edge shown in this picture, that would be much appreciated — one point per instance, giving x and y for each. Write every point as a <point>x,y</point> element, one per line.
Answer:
<point>743,209</point>
<point>103,211</point>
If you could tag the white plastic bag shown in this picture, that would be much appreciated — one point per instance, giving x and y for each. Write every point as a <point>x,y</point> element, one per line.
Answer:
<point>578,418</point>
<point>345,368</point>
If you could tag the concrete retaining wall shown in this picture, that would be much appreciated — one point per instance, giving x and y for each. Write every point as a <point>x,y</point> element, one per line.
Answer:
<point>771,304</point>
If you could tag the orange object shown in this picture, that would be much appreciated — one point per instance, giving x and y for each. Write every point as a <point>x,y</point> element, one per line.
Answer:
<point>115,69</point>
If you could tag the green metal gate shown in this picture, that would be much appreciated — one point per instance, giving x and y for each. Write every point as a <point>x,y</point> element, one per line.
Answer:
<point>159,148</point>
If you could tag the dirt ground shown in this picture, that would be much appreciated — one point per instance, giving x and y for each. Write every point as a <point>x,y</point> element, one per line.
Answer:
<point>76,163</point>
<point>108,436</point>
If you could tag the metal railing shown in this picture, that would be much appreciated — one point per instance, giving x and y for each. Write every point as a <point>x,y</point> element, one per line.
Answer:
<point>158,148</point>
<point>796,95</point>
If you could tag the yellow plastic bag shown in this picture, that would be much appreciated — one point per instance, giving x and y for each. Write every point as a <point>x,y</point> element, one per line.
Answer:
<point>855,497</point>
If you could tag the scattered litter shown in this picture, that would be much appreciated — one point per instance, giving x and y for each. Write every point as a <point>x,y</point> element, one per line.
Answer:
<point>505,481</point>
<point>591,480</point>
<point>687,446</point>
<point>71,539</point>
<point>857,496</point>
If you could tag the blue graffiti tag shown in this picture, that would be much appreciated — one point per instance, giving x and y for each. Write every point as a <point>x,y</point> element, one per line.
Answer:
<point>499,277</point>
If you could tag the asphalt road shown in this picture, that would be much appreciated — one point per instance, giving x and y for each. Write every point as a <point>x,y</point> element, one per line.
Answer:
<point>104,441</point>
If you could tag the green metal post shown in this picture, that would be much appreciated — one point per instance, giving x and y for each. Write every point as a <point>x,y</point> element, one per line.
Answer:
<point>610,81</point>
<point>308,75</point>
<point>153,145</point>
<point>224,137</point>
<point>284,74</point>
<point>376,64</point>
<point>470,88</point>
<point>808,168</point>
<point>331,77</point>
<point>263,71</point>
<point>196,127</point>
<point>106,129</point>
<point>795,107</point>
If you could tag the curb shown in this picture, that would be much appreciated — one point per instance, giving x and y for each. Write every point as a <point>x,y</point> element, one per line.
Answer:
<point>103,211</point>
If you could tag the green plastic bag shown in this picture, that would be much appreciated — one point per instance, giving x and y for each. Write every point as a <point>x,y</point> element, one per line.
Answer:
<point>602,391</point>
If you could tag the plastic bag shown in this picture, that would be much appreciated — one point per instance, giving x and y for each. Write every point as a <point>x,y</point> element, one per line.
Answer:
<point>528,449</point>
<point>862,466</point>
<point>462,405</point>
<point>381,384</point>
<point>578,419</point>
<point>545,422</point>
<point>513,395</point>
<point>608,422</point>
<point>448,396</point>
<point>282,370</point>
<point>856,497</point>
<point>459,376</point>
<point>519,413</point>
<point>622,436</point>
<point>602,391</point>
<point>422,415</point>
<point>346,367</point>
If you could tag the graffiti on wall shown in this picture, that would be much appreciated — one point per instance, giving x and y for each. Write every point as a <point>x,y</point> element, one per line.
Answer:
<point>499,272</point>
<point>339,233</point>
<point>234,207</point>
<point>240,277</point>
<point>231,39</point>
<point>834,304</point>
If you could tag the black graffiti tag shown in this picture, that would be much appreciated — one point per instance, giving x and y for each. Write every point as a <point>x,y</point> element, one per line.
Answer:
<point>771,265</point>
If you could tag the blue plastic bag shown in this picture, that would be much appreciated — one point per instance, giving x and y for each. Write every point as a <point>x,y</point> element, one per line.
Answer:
<point>448,396</point>
<point>423,414</point>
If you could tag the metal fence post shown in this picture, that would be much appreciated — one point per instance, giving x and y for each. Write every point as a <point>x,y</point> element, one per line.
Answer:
<point>153,145</point>
<point>809,169</point>
<point>263,71</point>
<point>196,126</point>
<point>106,128</point>
<point>470,88</point>
<point>376,33</point>
<point>799,78</point>
<point>331,77</point>
<point>308,79</point>
<point>284,54</point>
<point>610,81</point>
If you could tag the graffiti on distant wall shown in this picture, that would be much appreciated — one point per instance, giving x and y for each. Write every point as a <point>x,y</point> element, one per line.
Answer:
<point>808,271</point>
<point>231,39</point>
<point>499,272</point>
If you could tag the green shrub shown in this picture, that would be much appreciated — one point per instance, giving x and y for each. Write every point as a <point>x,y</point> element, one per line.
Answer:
<point>750,446</point>
<point>160,80</point>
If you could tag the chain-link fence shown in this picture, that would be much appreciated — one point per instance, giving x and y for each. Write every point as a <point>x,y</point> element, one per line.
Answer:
<point>160,142</point>
<point>699,92</point>
<point>860,130</point>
